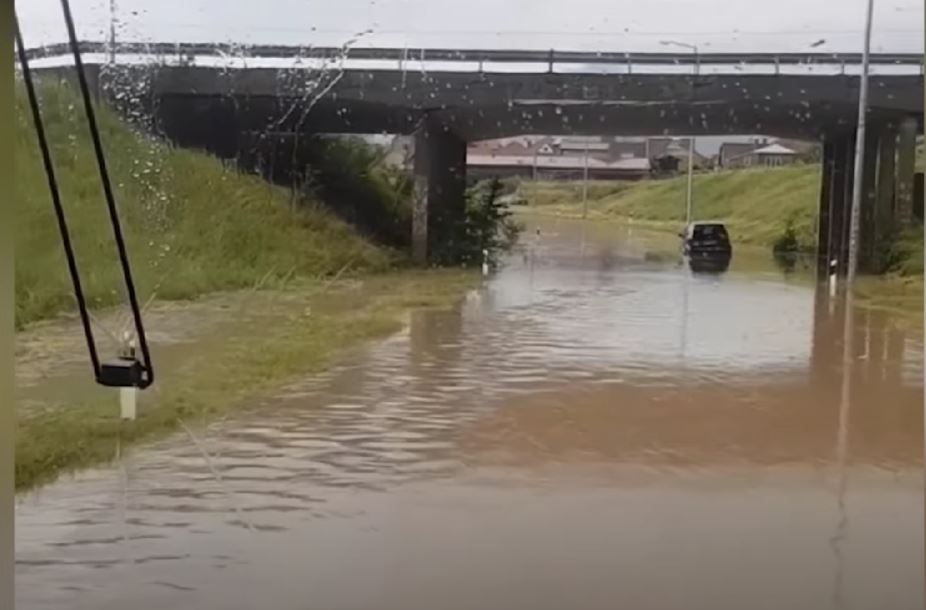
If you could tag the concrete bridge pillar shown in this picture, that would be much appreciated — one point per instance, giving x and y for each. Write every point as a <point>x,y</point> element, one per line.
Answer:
<point>885,204</point>
<point>906,167</point>
<point>440,186</point>
<point>867,229</point>
<point>880,204</point>
<point>825,210</point>
<point>835,198</point>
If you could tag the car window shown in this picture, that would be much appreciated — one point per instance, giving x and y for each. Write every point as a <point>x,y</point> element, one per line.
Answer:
<point>710,232</point>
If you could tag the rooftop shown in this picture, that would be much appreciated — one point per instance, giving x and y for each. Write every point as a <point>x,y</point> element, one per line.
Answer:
<point>556,162</point>
<point>774,149</point>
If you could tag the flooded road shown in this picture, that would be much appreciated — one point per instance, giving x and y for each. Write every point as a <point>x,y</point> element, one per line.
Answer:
<point>595,428</point>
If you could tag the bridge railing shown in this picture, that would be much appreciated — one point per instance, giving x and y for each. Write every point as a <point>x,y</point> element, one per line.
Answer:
<point>774,63</point>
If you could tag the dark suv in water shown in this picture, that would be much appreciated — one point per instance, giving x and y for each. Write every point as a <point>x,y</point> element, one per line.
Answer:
<point>707,246</point>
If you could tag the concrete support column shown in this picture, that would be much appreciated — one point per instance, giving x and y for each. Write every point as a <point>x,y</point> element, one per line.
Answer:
<point>867,230</point>
<point>906,166</point>
<point>884,203</point>
<point>440,187</point>
<point>823,214</point>
<point>838,191</point>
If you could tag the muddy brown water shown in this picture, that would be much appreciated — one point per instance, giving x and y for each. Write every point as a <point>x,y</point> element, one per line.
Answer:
<point>596,427</point>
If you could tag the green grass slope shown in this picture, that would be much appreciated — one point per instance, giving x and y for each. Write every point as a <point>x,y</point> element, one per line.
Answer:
<point>756,204</point>
<point>192,224</point>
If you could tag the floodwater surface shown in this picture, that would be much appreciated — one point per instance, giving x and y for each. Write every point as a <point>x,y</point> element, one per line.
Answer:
<point>595,428</point>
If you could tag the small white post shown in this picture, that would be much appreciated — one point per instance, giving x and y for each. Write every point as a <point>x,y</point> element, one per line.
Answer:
<point>485,262</point>
<point>128,396</point>
<point>127,403</point>
<point>833,265</point>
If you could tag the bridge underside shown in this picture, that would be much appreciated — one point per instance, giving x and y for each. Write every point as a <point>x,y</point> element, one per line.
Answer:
<point>483,106</point>
<point>206,108</point>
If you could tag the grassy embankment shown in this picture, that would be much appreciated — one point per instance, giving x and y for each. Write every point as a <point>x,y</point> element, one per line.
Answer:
<point>756,204</point>
<point>193,226</point>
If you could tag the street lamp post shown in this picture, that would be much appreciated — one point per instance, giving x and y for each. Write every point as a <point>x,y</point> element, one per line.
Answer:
<point>112,31</point>
<point>691,139</point>
<point>690,180</point>
<point>858,177</point>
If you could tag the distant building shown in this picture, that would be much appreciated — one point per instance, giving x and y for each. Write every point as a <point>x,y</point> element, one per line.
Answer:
<point>609,157</point>
<point>733,150</point>
<point>766,152</point>
<point>554,167</point>
<point>628,150</point>
<point>665,165</point>
<point>770,155</point>
<point>670,155</point>
<point>578,146</point>
<point>546,149</point>
<point>622,157</point>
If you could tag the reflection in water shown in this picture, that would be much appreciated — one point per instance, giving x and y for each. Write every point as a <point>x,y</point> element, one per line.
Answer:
<point>842,443</point>
<point>592,429</point>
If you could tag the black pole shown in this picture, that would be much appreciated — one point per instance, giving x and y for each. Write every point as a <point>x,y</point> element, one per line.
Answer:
<point>148,376</point>
<point>56,202</point>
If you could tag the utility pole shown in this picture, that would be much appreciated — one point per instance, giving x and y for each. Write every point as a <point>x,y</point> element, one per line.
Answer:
<point>112,32</point>
<point>858,178</point>
<point>691,153</point>
<point>691,139</point>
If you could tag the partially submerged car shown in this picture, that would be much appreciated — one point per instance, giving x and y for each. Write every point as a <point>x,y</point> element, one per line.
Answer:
<point>707,246</point>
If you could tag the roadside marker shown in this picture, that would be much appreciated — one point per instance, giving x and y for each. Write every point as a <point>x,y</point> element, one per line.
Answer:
<point>127,403</point>
<point>833,266</point>
<point>128,395</point>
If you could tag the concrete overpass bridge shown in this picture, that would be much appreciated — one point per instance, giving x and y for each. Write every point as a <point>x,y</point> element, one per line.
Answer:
<point>238,101</point>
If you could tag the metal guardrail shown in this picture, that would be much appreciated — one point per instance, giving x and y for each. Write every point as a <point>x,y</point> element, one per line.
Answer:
<point>473,55</point>
<point>481,56</point>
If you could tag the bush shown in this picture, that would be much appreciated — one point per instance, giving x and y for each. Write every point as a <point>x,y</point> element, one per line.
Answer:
<point>486,229</point>
<point>906,254</point>
<point>349,177</point>
<point>787,242</point>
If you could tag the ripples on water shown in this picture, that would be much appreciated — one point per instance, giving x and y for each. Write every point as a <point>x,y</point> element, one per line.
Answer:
<point>589,430</point>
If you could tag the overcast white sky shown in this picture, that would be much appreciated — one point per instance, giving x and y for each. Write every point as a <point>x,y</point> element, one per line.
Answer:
<point>616,25</point>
